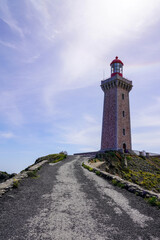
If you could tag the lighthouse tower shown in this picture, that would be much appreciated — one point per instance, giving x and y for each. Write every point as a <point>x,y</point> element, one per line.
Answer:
<point>116,130</point>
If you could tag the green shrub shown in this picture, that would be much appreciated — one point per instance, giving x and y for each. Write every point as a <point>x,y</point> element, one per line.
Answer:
<point>84,165</point>
<point>112,154</point>
<point>121,185</point>
<point>32,174</point>
<point>87,167</point>
<point>53,157</point>
<point>115,182</point>
<point>90,169</point>
<point>153,201</point>
<point>98,173</point>
<point>15,183</point>
<point>128,158</point>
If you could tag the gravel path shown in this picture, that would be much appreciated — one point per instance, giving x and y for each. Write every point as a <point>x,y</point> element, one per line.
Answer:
<point>68,202</point>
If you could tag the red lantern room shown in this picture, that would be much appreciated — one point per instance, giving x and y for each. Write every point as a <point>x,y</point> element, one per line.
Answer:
<point>116,67</point>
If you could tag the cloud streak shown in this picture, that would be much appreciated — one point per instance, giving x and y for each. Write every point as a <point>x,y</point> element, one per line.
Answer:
<point>7,135</point>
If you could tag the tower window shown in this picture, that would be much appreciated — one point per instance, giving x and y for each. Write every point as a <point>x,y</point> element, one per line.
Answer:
<point>123,113</point>
<point>123,96</point>
<point>124,132</point>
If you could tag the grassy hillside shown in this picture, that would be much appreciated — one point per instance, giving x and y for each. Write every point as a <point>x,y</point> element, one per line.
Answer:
<point>53,158</point>
<point>140,170</point>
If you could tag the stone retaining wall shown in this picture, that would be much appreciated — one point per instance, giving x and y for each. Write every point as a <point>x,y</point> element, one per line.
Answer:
<point>131,187</point>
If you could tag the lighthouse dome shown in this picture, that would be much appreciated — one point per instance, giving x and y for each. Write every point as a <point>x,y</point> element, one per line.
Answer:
<point>116,67</point>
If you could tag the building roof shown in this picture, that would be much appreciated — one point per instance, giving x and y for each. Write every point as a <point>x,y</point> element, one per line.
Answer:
<point>116,60</point>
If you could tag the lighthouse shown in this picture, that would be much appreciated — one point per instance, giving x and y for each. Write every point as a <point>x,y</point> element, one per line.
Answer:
<point>116,128</point>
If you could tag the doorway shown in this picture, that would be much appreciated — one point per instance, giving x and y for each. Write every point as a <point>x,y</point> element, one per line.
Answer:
<point>124,147</point>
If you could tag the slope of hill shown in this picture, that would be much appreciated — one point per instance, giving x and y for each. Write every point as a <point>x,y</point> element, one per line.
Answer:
<point>140,170</point>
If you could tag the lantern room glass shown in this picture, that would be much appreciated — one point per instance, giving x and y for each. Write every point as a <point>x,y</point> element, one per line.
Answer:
<point>116,68</point>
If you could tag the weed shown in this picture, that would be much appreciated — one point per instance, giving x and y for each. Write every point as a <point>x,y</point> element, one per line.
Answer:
<point>98,173</point>
<point>129,158</point>
<point>15,183</point>
<point>121,185</point>
<point>112,154</point>
<point>32,174</point>
<point>53,157</point>
<point>90,169</point>
<point>114,181</point>
<point>87,167</point>
<point>117,183</point>
<point>39,168</point>
<point>153,201</point>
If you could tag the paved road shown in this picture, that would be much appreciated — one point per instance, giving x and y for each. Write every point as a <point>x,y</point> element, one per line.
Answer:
<point>68,202</point>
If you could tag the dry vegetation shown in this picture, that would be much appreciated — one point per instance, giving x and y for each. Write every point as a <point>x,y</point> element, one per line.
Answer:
<point>140,170</point>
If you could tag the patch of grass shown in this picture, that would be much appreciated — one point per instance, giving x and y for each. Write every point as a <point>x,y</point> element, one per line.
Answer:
<point>87,167</point>
<point>150,181</point>
<point>128,158</point>
<point>33,174</point>
<point>98,173</point>
<point>90,169</point>
<point>121,185</point>
<point>139,170</point>
<point>117,183</point>
<point>58,159</point>
<point>114,182</point>
<point>153,201</point>
<point>15,183</point>
<point>53,158</point>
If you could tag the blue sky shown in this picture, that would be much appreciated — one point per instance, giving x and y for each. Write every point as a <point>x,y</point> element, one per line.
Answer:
<point>53,55</point>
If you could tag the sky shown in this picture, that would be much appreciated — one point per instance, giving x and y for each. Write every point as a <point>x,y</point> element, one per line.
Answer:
<point>53,56</point>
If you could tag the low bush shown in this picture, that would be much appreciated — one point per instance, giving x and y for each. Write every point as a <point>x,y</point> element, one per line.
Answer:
<point>153,201</point>
<point>64,152</point>
<point>53,158</point>
<point>15,183</point>
<point>117,183</point>
<point>87,167</point>
<point>98,173</point>
<point>114,181</point>
<point>32,174</point>
<point>121,185</point>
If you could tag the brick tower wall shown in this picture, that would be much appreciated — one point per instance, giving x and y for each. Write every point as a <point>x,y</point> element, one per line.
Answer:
<point>123,119</point>
<point>116,128</point>
<point>109,127</point>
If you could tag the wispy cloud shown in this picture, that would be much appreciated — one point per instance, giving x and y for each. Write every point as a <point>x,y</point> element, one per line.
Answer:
<point>8,18</point>
<point>85,136</point>
<point>32,59</point>
<point>88,134</point>
<point>148,116</point>
<point>7,44</point>
<point>7,135</point>
<point>148,140</point>
<point>9,109</point>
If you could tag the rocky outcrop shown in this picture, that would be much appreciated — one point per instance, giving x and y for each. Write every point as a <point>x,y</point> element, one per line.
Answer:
<point>14,180</point>
<point>5,176</point>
